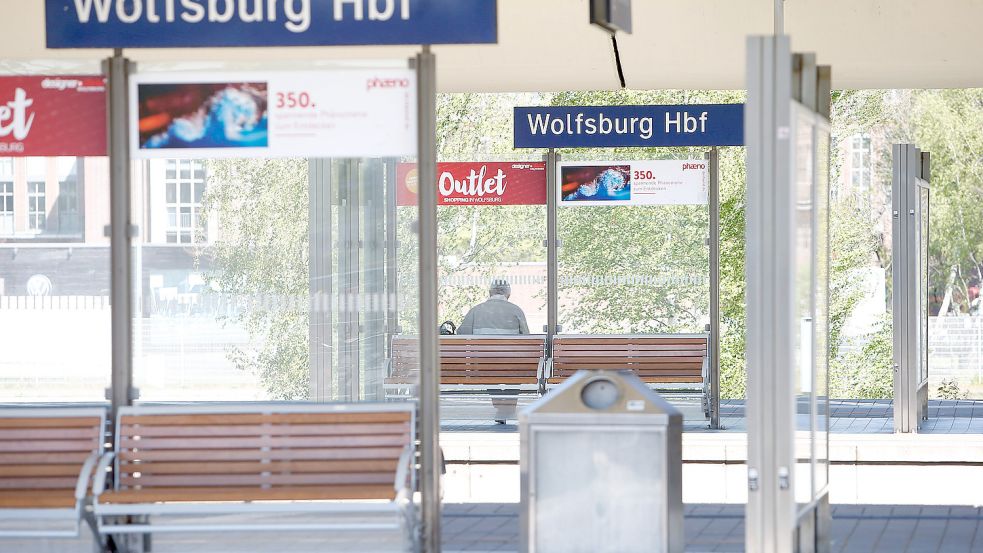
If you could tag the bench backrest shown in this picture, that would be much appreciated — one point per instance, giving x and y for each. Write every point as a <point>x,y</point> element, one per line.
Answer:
<point>355,449</point>
<point>477,359</point>
<point>666,358</point>
<point>42,451</point>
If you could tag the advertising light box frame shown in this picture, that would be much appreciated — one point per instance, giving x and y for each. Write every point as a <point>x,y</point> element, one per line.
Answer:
<point>632,183</point>
<point>251,114</point>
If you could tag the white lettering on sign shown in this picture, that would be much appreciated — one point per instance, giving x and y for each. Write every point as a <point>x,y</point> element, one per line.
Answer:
<point>14,117</point>
<point>545,123</point>
<point>686,123</point>
<point>375,14</point>
<point>475,185</point>
<point>297,13</point>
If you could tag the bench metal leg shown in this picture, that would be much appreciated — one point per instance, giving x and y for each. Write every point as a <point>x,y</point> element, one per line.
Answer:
<point>506,408</point>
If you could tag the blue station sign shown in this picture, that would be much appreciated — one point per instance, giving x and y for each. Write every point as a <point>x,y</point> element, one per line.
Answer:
<point>629,126</point>
<point>220,23</point>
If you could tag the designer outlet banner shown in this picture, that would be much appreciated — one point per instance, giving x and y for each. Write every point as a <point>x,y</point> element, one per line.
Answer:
<point>343,113</point>
<point>658,182</point>
<point>478,183</point>
<point>53,116</point>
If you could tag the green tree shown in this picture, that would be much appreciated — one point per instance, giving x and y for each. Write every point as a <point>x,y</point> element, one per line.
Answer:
<point>262,254</point>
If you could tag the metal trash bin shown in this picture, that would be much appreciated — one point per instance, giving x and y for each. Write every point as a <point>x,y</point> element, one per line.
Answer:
<point>601,468</point>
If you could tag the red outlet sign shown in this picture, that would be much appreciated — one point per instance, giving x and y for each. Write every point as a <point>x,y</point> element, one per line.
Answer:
<point>471,183</point>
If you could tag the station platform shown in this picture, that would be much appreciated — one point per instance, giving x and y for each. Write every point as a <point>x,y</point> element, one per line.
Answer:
<point>943,465</point>
<point>475,528</point>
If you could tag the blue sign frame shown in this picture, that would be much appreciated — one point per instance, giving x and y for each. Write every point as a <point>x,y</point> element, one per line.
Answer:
<point>629,126</point>
<point>193,23</point>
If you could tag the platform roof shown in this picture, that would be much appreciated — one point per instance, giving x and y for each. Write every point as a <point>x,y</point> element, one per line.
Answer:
<point>547,45</point>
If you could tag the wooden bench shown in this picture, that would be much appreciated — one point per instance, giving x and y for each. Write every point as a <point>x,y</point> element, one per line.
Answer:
<point>47,456</point>
<point>272,460</point>
<point>501,366</point>
<point>665,361</point>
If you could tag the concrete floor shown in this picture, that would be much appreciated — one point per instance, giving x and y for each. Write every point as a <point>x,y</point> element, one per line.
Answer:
<point>856,528</point>
<point>847,416</point>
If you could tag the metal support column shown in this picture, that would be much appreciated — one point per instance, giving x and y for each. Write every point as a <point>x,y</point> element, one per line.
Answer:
<point>430,462</point>
<point>373,310</point>
<point>771,509</point>
<point>349,285</point>
<point>121,232</point>
<point>713,166</point>
<point>910,210</point>
<point>552,247</point>
<point>320,281</point>
<point>392,282</point>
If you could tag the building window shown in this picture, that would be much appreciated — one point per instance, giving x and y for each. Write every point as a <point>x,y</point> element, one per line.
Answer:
<point>69,218</point>
<point>35,205</point>
<point>6,196</point>
<point>6,207</point>
<point>185,185</point>
<point>860,166</point>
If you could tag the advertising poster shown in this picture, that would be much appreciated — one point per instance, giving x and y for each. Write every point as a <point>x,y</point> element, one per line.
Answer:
<point>477,183</point>
<point>659,182</point>
<point>344,113</point>
<point>53,116</point>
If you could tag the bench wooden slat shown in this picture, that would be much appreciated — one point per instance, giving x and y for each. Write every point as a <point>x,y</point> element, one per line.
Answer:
<point>37,499</point>
<point>489,360</point>
<point>648,380</point>
<point>630,347</point>
<point>256,442</point>
<point>580,354</point>
<point>267,418</point>
<point>39,482</point>
<point>43,458</point>
<point>602,340</point>
<point>48,445</point>
<point>486,374</point>
<point>487,380</point>
<point>240,480</point>
<point>248,467</point>
<point>42,470</point>
<point>49,422</point>
<point>46,433</point>
<point>281,493</point>
<point>260,455</point>
<point>273,430</point>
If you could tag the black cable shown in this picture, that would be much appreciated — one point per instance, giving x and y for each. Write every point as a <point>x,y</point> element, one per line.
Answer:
<point>617,60</point>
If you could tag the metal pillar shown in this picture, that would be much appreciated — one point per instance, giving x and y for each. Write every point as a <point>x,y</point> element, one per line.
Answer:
<point>121,232</point>
<point>787,137</point>
<point>392,282</point>
<point>320,281</point>
<point>770,519</point>
<point>552,246</point>
<point>373,311</point>
<point>430,463</point>
<point>713,166</point>
<point>349,264</point>
<point>910,203</point>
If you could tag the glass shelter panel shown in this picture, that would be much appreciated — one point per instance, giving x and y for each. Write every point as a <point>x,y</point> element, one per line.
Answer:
<point>262,277</point>
<point>822,310</point>
<point>55,324</point>
<point>804,282</point>
<point>923,260</point>
<point>628,265</point>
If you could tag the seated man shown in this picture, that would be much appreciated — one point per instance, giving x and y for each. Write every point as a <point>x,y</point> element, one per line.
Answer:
<point>496,315</point>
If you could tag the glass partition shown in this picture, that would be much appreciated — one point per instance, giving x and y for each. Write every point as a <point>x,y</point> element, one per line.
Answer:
<point>263,273</point>
<point>54,255</point>
<point>631,269</point>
